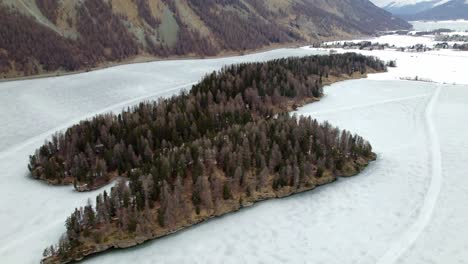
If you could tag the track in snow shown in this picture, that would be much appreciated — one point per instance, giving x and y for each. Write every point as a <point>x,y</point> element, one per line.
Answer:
<point>399,247</point>
<point>369,104</point>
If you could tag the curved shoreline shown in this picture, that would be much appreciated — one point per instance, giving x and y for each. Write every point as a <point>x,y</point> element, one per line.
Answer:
<point>232,208</point>
<point>320,155</point>
<point>144,58</point>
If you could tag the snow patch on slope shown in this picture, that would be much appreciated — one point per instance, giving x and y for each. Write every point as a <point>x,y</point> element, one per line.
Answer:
<point>401,3</point>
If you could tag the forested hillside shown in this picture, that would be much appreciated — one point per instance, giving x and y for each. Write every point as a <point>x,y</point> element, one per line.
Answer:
<point>225,144</point>
<point>39,36</point>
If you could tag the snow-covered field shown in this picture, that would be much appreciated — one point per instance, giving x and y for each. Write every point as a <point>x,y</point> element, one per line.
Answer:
<point>444,66</point>
<point>397,40</point>
<point>457,25</point>
<point>441,66</point>
<point>404,41</point>
<point>460,27</point>
<point>407,207</point>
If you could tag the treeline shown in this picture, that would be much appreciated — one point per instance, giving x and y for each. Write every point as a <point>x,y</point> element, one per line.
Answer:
<point>225,144</point>
<point>93,152</point>
<point>463,47</point>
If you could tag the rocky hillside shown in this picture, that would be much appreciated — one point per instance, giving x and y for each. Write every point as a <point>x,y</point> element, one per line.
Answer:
<point>39,36</point>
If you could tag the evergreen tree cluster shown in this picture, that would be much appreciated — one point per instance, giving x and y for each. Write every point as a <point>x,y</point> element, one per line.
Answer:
<point>202,177</point>
<point>94,151</point>
<point>227,142</point>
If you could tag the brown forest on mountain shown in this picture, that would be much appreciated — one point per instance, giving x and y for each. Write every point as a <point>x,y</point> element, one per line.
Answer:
<point>98,31</point>
<point>26,46</point>
<point>239,33</point>
<point>49,8</point>
<point>103,34</point>
<point>145,12</point>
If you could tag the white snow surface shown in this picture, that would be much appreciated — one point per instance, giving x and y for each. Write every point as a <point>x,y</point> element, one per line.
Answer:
<point>405,41</point>
<point>400,3</point>
<point>456,33</point>
<point>408,207</point>
<point>441,66</point>
<point>397,40</point>
<point>457,25</point>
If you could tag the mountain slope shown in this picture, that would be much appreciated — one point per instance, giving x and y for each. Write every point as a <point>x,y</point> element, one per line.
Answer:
<point>426,9</point>
<point>38,36</point>
<point>454,9</point>
<point>410,7</point>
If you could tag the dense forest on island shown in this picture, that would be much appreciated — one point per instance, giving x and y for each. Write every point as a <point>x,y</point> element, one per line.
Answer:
<point>91,153</point>
<point>223,145</point>
<point>44,36</point>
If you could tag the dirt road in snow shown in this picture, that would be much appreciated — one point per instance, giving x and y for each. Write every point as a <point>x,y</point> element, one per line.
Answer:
<point>404,243</point>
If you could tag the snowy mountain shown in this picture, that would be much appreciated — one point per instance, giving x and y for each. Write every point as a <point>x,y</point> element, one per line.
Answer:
<point>402,3</point>
<point>410,7</point>
<point>426,9</point>
<point>455,9</point>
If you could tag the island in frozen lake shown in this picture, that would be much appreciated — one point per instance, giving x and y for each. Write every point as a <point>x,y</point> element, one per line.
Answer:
<point>227,143</point>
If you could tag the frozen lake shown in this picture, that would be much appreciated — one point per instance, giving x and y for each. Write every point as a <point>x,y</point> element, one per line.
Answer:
<point>457,25</point>
<point>407,207</point>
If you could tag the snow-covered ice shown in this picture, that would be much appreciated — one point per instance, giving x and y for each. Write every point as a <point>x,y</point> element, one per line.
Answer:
<point>457,25</point>
<point>32,214</point>
<point>39,107</point>
<point>408,207</point>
